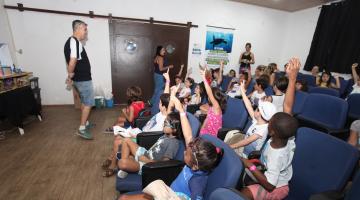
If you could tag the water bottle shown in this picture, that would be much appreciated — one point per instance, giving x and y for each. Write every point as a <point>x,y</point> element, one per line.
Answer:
<point>68,84</point>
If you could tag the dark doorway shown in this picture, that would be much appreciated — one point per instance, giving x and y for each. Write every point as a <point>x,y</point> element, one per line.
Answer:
<point>133,47</point>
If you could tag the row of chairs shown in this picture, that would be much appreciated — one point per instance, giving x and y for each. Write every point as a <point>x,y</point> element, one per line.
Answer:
<point>321,164</point>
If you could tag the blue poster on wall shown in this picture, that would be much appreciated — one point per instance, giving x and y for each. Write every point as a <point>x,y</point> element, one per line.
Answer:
<point>219,41</point>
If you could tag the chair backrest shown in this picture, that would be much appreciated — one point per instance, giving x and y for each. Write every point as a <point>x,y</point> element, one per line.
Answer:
<point>195,126</point>
<point>269,90</point>
<point>225,82</point>
<point>349,87</point>
<point>300,98</point>
<point>235,115</point>
<point>354,106</point>
<point>327,110</point>
<point>327,91</point>
<point>343,85</point>
<point>228,172</point>
<point>321,162</point>
<point>310,79</point>
<point>226,194</point>
<point>354,192</point>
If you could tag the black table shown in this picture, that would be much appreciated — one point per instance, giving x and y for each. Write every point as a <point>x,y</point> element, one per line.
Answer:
<point>17,104</point>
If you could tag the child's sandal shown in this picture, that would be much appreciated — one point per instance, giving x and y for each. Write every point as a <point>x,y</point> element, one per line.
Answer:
<point>105,165</point>
<point>109,130</point>
<point>109,172</point>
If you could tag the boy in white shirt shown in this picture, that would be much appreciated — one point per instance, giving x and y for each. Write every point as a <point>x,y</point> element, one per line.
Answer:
<point>280,88</point>
<point>276,156</point>
<point>259,91</point>
<point>258,131</point>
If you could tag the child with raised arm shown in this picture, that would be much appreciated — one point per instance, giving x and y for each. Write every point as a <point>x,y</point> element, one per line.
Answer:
<point>258,131</point>
<point>200,157</point>
<point>217,104</point>
<point>278,152</point>
<point>356,86</point>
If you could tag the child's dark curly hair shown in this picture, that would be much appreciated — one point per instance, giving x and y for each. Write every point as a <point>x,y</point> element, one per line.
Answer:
<point>205,154</point>
<point>220,98</point>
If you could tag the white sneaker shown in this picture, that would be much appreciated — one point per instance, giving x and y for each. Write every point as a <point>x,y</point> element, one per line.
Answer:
<point>122,174</point>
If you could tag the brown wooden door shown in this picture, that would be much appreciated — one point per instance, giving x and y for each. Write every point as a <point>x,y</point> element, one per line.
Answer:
<point>133,46</point>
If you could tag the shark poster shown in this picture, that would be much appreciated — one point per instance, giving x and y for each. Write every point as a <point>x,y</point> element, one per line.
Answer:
<point>216,40</point>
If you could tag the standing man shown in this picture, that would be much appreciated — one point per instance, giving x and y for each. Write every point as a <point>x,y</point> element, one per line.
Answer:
<point>79,73</point>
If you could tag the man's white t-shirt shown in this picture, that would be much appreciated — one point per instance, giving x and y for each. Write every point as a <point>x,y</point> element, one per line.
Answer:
<point>73,49</point>
<point>156,123</point>
<point>278,163</point>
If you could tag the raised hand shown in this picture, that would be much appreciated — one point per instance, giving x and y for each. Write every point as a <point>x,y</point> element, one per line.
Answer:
<point>202,71</point>
<point>293,68</point>
<point>166,75</point>
<point>242,87</point>
<point>354,65</point>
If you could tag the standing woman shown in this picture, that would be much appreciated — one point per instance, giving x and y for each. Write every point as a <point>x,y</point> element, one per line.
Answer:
<point>160,67</point>
<point>246,59</point>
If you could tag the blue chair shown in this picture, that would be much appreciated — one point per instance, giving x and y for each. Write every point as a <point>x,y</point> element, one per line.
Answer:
<point>349,87</point>
<point>226,194</point>
<point>320,163</point>
<point>250,88</point>
<point>269,91</point>
<point>225,82</point>
<point>324,113</point>
<point>134,181</point>
<point>310,79</point>
<point>300,98</point>
<point>328,91</point>
<point>352,194</point>
<point>234,117</point>
<point>227,173</point>
<point>354,106</point>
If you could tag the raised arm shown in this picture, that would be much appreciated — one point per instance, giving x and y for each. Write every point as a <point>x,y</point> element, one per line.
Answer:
<point>354,74</point>
<point>181,70</point>
<point>220,72</point>
<point>246,100</point>
<point>337,82</point>
<point>167,83</point>
<point>292,70</point>
<point>209,91</point>
<point>185,125</point>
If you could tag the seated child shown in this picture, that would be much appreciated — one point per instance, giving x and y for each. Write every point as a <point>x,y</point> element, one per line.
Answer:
<point>301,85</point>
<point>355,74</point>
<point>280,88</point>
<point>131,112</point>
<point>200,157</point>
<point>315,71</point>
<point>217,104</point>
<point>325,81</point>
<point>133,157</point>
<point>217,75</point>
<point>185,92</point>
<point>259,91</point>
<point>276,156</point>
<point>156,123</point>
<point>258,131</point>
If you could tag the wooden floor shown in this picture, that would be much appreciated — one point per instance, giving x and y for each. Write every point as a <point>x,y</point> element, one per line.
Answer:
<point>50,162</point>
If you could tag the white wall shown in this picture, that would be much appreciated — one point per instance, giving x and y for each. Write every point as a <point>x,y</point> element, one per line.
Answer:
<point>5,32</point>
<point>298,34</point>
<point>42,36</point>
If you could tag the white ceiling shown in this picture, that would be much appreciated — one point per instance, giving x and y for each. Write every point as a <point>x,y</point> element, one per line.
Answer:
<point>286,5</point>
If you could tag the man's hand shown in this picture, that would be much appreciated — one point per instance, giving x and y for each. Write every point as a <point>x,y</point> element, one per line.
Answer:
<point>166,75</point>
<point>293,68</point>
